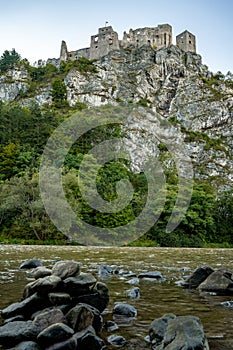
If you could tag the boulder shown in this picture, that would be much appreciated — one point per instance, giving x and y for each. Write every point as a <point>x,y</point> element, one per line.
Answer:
<point>15,332</point>
<point>219,281</point>
<point>30,264</point>
<point>92,342</point>
<point>82,315</point>
<point>41,272</point>
<point>105,271</point>
<point>79,283</point>
<point>197,277</point>
<point>116,340</point>
<point>55,333</point>
<point>26,307</point>
<point>125,310</point>
<point>158,328</point>
<point>97,297</point>
<point>47,318</point>
<point>41,285</point>
<point>15,318</point>
<point>66,268</point>
<point>175,333</point>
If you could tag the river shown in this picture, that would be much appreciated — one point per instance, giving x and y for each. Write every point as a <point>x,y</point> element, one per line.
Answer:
<point>156,299</point>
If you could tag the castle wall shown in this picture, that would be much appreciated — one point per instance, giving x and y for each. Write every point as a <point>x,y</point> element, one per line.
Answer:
<point>105,41</point>
<point>157,37</point>
<point>74,55</point>
<point>186,41</point>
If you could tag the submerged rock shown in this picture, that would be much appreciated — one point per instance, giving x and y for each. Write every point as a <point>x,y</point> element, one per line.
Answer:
<point>116,340</point>
<point>30,264</point>
<point>124,309</point>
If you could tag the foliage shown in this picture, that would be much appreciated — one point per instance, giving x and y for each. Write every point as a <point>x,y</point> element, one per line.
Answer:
<point>59,92</point>
<point>8,60</point>
<point>82,64</point>
<point>24,132</point>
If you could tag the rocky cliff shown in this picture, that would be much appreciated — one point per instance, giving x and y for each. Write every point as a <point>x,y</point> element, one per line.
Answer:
<point>175,85</point>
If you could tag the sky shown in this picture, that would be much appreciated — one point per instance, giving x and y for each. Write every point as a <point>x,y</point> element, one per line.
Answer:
<point>36,28</point>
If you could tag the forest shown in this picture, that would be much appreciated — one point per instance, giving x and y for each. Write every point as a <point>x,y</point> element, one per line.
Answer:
<point>24,131</point>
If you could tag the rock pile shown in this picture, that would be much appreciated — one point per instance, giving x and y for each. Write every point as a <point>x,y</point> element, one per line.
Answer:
<point>60,309</point>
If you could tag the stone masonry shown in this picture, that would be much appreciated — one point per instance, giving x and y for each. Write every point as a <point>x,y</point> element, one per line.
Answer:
<point>107,40</point>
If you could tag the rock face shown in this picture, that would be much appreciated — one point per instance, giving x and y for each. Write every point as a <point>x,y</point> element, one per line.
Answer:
<point>174,83</point>
<point>50,316</point>
<point>175,333</point>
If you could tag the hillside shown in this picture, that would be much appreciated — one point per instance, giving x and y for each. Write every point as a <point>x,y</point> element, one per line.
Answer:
<point>168,84</point>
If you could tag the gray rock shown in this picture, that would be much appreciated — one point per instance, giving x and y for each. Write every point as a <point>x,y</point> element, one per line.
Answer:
<point>219,282</point>
<point>116,340</point>
<point>111,326</point>
<point>133,292</point>
<point>91,341</point>
<point>15,332</point>
<point>59,298</point>
<point>47,318</point>
<point>41,272</point>
<point>197,277</point>
<point>82,316</point>
<point>125,310</point>
<point>97,297</point>
<point>152,275</point>
<point>26,345</point>
<point>30,264</point>
<point>184,332</point>
<point>158,328</point>
<point>26,307</point>
<point>55,333</point>
<point>82,281</point>
<point>105,271</point>
<point>41,285</point>
<point>65,269</point>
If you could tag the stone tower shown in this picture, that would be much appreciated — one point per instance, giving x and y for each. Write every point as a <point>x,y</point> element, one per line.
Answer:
<point>64,52</point>
<point>102,43</point>
<point>186,41</point>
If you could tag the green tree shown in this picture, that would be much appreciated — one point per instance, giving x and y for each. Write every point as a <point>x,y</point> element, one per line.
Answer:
<point>8,60</point>
<point>59,92</point>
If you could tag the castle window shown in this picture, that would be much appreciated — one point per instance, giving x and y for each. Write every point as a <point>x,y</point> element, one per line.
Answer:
<point>96,47</point>
<point>190,42</point>
<point>148,41</point>
<point>165,39</point>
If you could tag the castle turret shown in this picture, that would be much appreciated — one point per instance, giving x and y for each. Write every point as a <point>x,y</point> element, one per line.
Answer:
<point>186,41</point>
<point>102,43</point>
<point>64,52</point>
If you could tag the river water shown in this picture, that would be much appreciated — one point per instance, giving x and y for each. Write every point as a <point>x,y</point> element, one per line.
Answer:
<point>156,298</point>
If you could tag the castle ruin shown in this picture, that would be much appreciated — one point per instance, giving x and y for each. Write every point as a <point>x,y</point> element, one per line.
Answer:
<point>107,40</point>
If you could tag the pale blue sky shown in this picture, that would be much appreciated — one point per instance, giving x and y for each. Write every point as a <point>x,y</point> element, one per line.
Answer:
<point>35,28</point>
